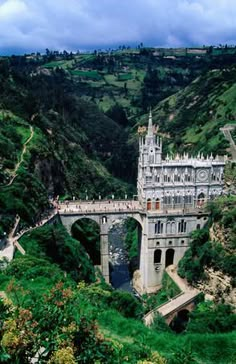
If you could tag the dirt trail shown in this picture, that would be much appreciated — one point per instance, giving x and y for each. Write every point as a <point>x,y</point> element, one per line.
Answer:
<point>14,173</point>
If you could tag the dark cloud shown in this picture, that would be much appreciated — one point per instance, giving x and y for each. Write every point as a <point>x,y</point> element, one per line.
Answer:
<point>30,25</point>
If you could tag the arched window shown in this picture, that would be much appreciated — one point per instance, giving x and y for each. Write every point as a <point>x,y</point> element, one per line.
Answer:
<point>200,199</point>
<point>157,256</point>
<point>104,219</point>
<point>188,199</point>
<point>177,199</point>
<point>177,178</point>
<point>159,227</point>
<point>167,200</point>
<point>149,204</point>
<point>157,204</point>
<point>173,227</point>
<point>182,226</point>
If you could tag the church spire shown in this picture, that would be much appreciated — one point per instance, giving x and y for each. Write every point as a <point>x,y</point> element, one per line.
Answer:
<point>150,128</point>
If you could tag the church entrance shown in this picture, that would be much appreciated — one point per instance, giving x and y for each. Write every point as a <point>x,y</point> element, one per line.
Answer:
<point>169,257</point>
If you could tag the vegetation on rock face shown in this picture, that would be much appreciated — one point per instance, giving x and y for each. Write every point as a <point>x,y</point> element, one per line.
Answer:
<point>87,232</point>
<point>205,253</point>
<point>132,243</point>
<point>211,318</point>
<point>191,119</point>
<point>168,290</point>
<point>53,242</point>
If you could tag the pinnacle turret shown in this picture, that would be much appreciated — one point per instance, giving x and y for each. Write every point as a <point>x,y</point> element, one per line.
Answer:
<point>150,127</point>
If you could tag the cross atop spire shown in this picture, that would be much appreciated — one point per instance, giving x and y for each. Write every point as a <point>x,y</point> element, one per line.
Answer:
<point>150,128</point>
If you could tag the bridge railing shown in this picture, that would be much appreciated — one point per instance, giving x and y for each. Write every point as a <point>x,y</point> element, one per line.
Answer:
<point>155,310</point>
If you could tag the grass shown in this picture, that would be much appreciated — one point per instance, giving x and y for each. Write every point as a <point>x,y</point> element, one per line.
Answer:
<point>168,290</point>
<point>24,132</point>
<point>208,349</point>
<point>62,64</point>
<point>124,76</point>
<point>106,103</point>
<point>92,75</point>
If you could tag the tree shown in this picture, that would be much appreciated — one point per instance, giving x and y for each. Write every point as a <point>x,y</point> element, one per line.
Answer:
<point>53,328</point>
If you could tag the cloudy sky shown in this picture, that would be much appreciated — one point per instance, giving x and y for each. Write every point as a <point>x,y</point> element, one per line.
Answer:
<point>34,25</point>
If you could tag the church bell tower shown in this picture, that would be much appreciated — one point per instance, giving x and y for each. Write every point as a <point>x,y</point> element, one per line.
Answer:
<point>150,154</point>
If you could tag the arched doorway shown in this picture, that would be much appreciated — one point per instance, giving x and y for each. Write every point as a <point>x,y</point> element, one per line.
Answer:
<point>200,199</point>
<point>124,242</point>
<point>179,323</point>
<point>169,257</point>
<point>149,204</point>
<point>157,204</point>
<point>87,232</point>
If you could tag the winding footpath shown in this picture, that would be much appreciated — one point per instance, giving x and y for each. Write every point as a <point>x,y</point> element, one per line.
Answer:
<point>14,173</point>
<point>12,242</point>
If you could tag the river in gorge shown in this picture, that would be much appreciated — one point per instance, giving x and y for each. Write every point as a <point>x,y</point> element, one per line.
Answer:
<point>118,257</point>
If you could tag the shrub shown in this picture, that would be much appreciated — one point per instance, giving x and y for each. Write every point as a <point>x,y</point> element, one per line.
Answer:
<point>211,318</point>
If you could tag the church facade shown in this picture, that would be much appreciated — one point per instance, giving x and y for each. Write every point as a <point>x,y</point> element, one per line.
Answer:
<point>172,192</point>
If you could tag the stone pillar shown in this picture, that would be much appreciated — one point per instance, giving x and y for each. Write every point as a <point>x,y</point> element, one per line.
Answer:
<point>144,257</point>
<point>104,251</point>
<point>67,222</point>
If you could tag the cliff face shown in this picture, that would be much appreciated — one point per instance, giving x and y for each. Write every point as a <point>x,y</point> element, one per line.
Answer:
<point>218,284</point>
<point>51,173</point>
<point>218,287</point>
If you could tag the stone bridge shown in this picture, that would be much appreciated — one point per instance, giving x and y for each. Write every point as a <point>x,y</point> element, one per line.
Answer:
<point>171,309</point>
<point>104,213</point>
<point>185,301</point>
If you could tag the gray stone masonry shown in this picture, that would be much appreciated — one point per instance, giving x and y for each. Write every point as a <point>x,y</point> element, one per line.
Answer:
<point>172,193</point>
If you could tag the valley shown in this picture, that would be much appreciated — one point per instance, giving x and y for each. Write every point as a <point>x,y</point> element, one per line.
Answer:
<point>80,149</point>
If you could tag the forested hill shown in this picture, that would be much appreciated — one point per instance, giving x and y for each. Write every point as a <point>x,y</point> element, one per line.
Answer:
<point>68,127</point>
<point>84,109</point>
<point>190,120</point>
<point>74,150</point>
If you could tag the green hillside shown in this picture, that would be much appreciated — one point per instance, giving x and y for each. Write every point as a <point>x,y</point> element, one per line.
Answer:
<point>135,79</point>
<point>68,127</point>
<point>49,304</point>
<point>190,120</point>
<point>75,149</point>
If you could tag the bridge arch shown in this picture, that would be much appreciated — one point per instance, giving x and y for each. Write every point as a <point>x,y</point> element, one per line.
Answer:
<point>87,232</point>
<point>104,221</point>
<point>180,321</point>
<point>121,264</point>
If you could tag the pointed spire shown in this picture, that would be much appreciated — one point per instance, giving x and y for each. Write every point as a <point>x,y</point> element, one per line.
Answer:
<point>150,128</point>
